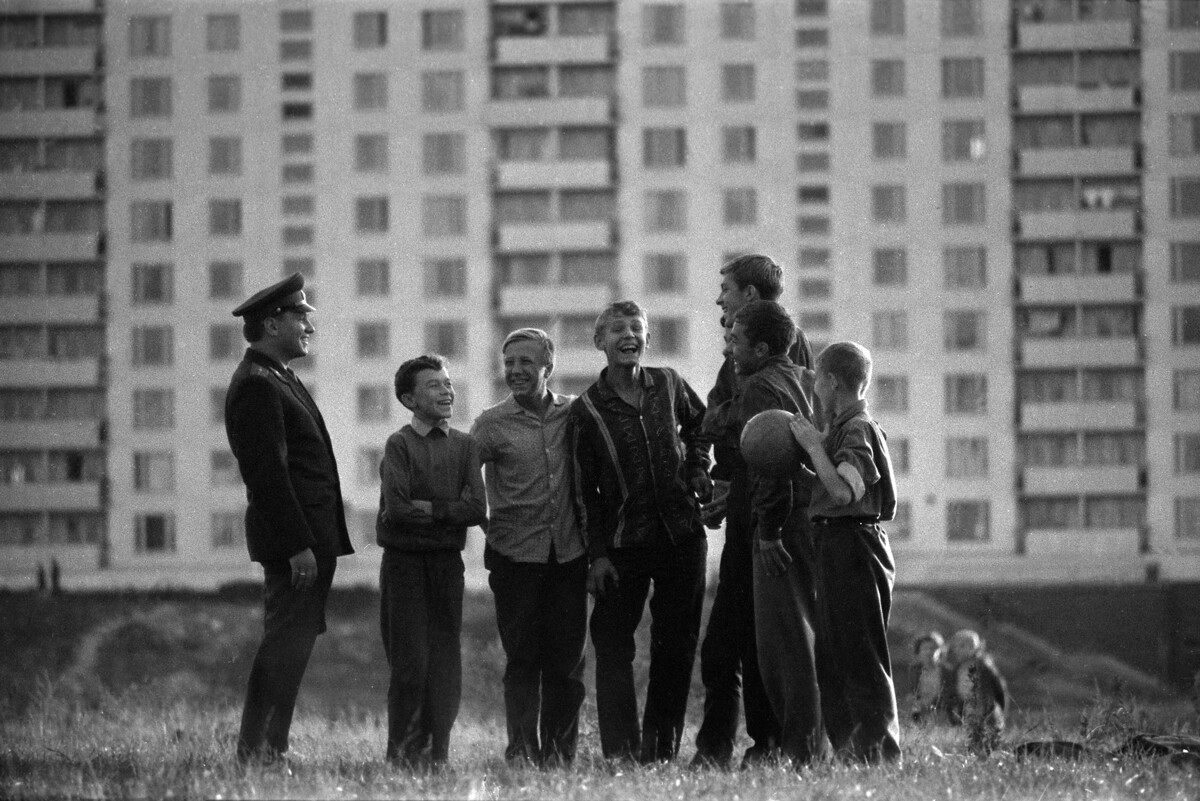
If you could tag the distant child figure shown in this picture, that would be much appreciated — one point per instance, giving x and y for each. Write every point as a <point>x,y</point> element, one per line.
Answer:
<point>926,687</point>
<point>973,686</point>
<point>854,564</point>
<point>432,490</point>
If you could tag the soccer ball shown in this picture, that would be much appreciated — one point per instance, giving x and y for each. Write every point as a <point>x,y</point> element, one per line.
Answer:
<point>768,445</point>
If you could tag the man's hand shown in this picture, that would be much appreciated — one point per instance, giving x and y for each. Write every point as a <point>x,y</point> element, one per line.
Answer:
<point>774,556</point>
<point>853,479</point>
<point>601,575</point>
<point>808,435</point>
<point>304,569</point>
<point>713,512</point>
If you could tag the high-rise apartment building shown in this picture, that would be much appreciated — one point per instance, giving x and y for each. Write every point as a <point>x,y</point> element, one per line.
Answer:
<point>1000,200</point>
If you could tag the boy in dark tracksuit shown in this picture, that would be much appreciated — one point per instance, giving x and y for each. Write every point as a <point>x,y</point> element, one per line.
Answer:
<point>855,568</point>
<point>432,490</point>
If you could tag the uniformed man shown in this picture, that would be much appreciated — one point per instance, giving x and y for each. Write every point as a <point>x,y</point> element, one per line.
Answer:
<point>295,521</point>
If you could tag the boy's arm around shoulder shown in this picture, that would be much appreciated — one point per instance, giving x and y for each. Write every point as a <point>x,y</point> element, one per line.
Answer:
<point>470,508</point>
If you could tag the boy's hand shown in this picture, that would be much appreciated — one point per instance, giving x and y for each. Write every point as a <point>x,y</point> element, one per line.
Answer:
<point>853,479</point>
<point>805,433</point>
<point>774,556</point>
<point>713,512</point>
<point>701,484</point>
<point>424,506</point>
<point>601,575</point>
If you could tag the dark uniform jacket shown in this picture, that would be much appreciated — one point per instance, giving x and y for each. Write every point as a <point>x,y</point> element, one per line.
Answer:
<point>286,460</point>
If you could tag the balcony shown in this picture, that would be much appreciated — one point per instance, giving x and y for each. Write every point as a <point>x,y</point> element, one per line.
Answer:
<point>1079,416</point>
<point>75,496</point>
<point>1108,34</point>
<point>49,61</point>
<point>1078,224</point>
<point>553,174</point>
<point>550,111</point>
<point>1092,288</point>
<point>511,50</point>
<point>50,309</point>
<point>49,373</point>
<point>59,6</point>
<point>45,434</point>
<point>548,237</point>
<point>1088,161</point>
<point>49,185</point>
<point>81,122</point>
<point>1059,98</point>
<point>1079,480</point>
<point>50,247</point>
<point>1083,542</point>
<point>1081,352</point>
<point>541,299</point>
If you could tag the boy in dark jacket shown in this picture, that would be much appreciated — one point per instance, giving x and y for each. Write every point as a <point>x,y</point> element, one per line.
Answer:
<point>432,490</point>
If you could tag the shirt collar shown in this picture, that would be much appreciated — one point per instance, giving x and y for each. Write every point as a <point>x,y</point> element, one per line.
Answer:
<point>423,429</point>
<point>512,407</point>
<point>606,390</point>
<point>859,405</point>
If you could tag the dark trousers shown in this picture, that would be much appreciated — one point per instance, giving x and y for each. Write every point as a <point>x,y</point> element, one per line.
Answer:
<point>420,617</point>
<point>292,619</point>
<point>855,574</point>
<point>541,614</point>
<point>729,654</point>
<point>785,614</point>
<point>678,574</point>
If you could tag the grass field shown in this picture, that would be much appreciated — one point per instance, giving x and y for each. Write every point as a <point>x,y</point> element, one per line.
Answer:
<point>106,696</point>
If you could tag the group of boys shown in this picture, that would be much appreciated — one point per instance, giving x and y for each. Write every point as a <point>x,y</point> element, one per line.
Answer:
<point>606,494</point>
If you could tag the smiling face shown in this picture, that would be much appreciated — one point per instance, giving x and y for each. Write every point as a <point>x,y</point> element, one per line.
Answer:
<point>623,340</point>
<point>747,357</point>
<point>733,297</point>
<point>526,370</point>
<point>288,334</point>
<point>432,397</point>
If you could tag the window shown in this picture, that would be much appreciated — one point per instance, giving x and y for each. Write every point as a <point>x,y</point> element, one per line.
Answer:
<point>966,394</point>
<point>149,37</point>
<point>1185,197</point>
<point>812,193</point>
<point>964,330</point>
<point>443,216</point>
<point>442,30</point>
<point>891,393</point>
<point>887,204</point>
<point>737,83</point>
<point>1187,453</point>
<point>963,140</point>
<point>812,162</point>
<point>887,77</point>
<point>889,140</point>
<point>443,154</point>
<point>666,210</point>
<point>815,289</point>
<point>224,342</point>
<point>887,17</point>
<point>890,266</point>
<point>224,280</point>
<point>370,29</point>
<point>374,403</point>
<point>1185,262</point>
<point>224,94</point>
<point>1184,14</point>
<point>967,521</point>
<point>442,91</point>
<point>813,132</point>
<point>1185,325</point>
<point>664,87</point>
<point>216,406</point>
<point>815,225</point>
<point>150,221</point>
<point>150,159</point>
<point>153,346</point>
<point>372,277</point>
<point>371,215</point>
<point>1187,518</point>
<point>810,258</point>
<point>740,206</point>
<point>812,8</point>
<point>367,468</point>
<point>153,408</point>
<point>961,18</point>
<point>371,153</point>
<point>445,278</point>
<point>225,155</point>
<point>295,144</point>
<point>664,147</point>
<point>296,82</point>
<point>666,272</point>
<point>228,529</point>
<point>1185,71</point>
<point>966,457</point>
<point>586,81</point>
<point>889,330</point>
<point>898,449</point>
<point>370,91</point>
<point>225,217</point>
<point>963,204</point>
<point>584,144</point>
<point>812,37</point>
<point>737,144</point>
<point>296,174</point>
<point>812,69</point>
<point>737,20</point>
<point>965,267</point>
<point>153,471</point>
<point>662,24</point>
<point>295,50</point>
<point>223,33</point>
<point>1184,135</point>
<point>149,97</point>
<point>152,284</point>
<point>295,21</point>
<point>446,337</point>
<point>962,77</point>
<point>154,533</point>
<point>670,336</point>
<point>1186,391</point>
<point>812,99</point>
<point>372,340</point>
